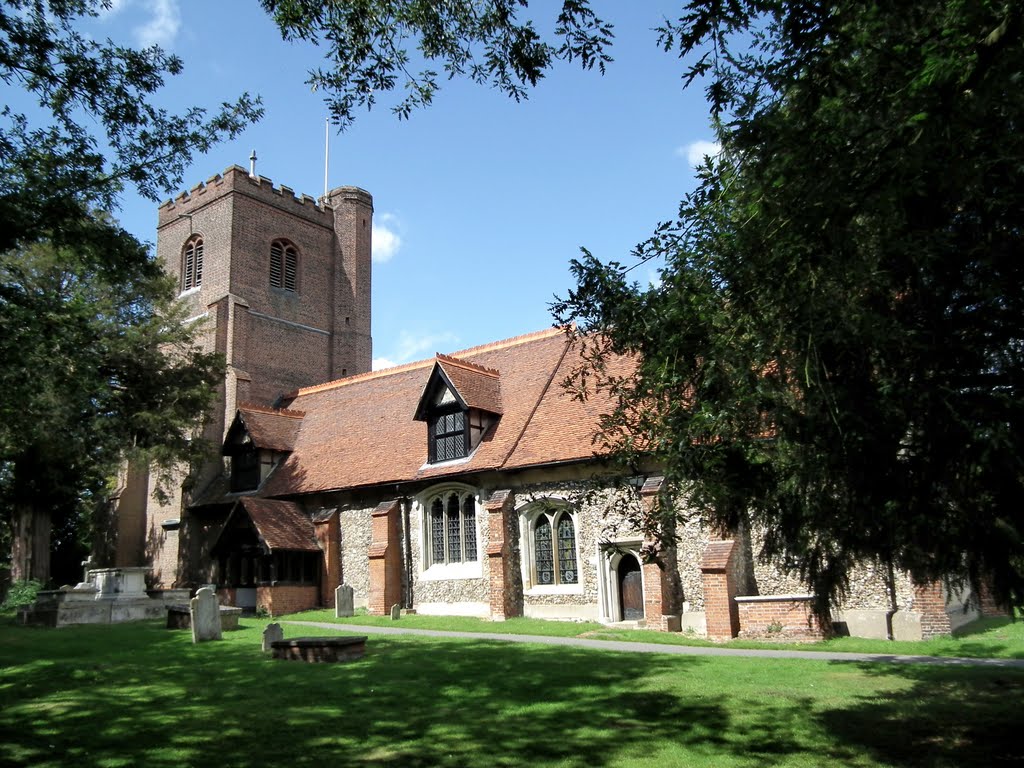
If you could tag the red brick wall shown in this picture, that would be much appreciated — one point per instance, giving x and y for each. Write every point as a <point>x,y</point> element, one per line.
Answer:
<point>718,573</point>
<point>778,617</point>
<point>930,603</point>
<point>279,599</point>
<point>328,536</point>
<point>500,564</point>
<point>385,559</point>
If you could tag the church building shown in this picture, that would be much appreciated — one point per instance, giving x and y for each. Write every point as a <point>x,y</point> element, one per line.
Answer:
<point>467,483</point>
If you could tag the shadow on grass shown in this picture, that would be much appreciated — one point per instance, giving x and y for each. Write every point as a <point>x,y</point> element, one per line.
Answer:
<point>142,695</point>
<point>944,716</point>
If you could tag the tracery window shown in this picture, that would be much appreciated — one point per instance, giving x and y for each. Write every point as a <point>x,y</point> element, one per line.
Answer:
<point>551,548</point>
<point>192,264</point>
<point>451,519</point>
<point>284,266</point>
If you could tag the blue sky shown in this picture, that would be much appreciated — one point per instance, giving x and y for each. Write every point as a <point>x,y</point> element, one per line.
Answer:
<point>480,202</point>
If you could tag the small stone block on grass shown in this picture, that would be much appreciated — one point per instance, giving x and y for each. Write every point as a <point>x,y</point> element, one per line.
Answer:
<point>320,649</point>
<point>396,612</point>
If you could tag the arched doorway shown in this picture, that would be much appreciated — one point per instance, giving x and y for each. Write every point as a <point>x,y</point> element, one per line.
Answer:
<point>631,589</point>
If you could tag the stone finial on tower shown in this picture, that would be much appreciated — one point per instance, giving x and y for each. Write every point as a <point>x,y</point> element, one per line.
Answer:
<point>252,163</point>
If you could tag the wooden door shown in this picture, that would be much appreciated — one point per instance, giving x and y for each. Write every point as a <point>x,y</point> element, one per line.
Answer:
<point>631,589</point>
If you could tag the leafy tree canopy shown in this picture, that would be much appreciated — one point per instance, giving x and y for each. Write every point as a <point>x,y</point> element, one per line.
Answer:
<point>834,349</point>
<point>99,129</point>
<point>367,47</point>
<point>99,367</point>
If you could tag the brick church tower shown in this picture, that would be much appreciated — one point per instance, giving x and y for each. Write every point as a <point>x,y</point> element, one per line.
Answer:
<point>281,284</point>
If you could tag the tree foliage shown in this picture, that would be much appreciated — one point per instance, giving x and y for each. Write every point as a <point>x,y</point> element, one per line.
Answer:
<point>367,47</point>
<point>834,349</point>
<point>95,362</point>
<point>94,127</point>
<point>99,367</point>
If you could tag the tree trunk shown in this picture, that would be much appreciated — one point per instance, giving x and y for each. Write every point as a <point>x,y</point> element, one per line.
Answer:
<point>30,545</point>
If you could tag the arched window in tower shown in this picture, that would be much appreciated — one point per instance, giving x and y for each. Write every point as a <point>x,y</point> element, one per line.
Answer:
<point>284,266</point>
<point>192,264</point>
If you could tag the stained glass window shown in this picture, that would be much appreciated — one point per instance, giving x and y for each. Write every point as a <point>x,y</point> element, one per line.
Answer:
<point>437,531</point>
<point>469,527</point>
<point>454,530</point>
<point>543,557</point>
<point>567,551</point>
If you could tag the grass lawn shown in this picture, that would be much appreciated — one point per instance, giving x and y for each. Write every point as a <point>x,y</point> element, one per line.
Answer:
<point>987,638</point>
<point>138,694</point>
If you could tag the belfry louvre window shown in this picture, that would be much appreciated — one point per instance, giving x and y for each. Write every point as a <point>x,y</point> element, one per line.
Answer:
<point>192,264</point>
<point>284,266</point>
<point>452,525</point>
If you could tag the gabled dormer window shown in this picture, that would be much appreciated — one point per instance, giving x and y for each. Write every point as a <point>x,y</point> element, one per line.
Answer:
<point>460,402</point>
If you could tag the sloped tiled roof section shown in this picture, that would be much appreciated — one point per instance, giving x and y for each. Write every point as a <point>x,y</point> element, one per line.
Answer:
<point>272,429</point>
<point>282,525</point>
<point>361,431</point>
<point>479,387</point>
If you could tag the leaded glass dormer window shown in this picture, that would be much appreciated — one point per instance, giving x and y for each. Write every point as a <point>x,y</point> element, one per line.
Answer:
<point>449,438</point>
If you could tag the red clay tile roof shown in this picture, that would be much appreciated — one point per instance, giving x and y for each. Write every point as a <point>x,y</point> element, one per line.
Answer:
<point>281,525</point>
<point>478,387</point>
<point>360,431</point>
<point>275,430</point>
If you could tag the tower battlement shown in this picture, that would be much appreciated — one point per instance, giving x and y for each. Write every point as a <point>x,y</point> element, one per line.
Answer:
<point>236,179</point>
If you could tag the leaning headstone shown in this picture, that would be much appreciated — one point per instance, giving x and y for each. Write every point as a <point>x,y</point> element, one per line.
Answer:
<point>344,601</point>
<point>205,615</point>
<point>396,612</point>
<point>272,634</point>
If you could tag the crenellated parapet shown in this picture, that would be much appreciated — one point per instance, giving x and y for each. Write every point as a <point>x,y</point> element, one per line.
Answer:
<point>236,179</point>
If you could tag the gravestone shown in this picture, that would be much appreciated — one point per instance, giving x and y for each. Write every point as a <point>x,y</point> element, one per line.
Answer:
<point>396,612</point>
<point>272,634</point>
<point>344,601</point>
<point>205,615</point>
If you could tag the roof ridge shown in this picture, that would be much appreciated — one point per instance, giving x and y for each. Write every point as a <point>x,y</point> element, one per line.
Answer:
<point>512,341</point>
<point>493,372</point>
<point>271,411</point>
<point>492,346</point>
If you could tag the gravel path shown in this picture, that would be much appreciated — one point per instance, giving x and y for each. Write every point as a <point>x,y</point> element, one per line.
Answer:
<point>683,650</point>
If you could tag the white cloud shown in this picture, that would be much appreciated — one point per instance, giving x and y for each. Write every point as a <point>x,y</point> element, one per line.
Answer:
<point>413,346</point>
<point>386,240</point>
<point>695,152</point>
<point>163,25</point>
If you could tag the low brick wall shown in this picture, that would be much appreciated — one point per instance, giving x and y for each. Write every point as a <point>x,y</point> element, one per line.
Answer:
<point>778,617</point>
<point>281,599</point>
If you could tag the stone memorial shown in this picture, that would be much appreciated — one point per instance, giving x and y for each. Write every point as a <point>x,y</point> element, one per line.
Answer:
<point>344,601</point>
<point>396,612</point>
<point>205,616</point>
<point>272,634</point>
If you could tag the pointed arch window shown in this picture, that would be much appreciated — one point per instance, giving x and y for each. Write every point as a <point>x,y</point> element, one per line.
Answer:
<point>192,264</point>
<point>551,554</point>
<point>284,266</point>
<point>451,523</point>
